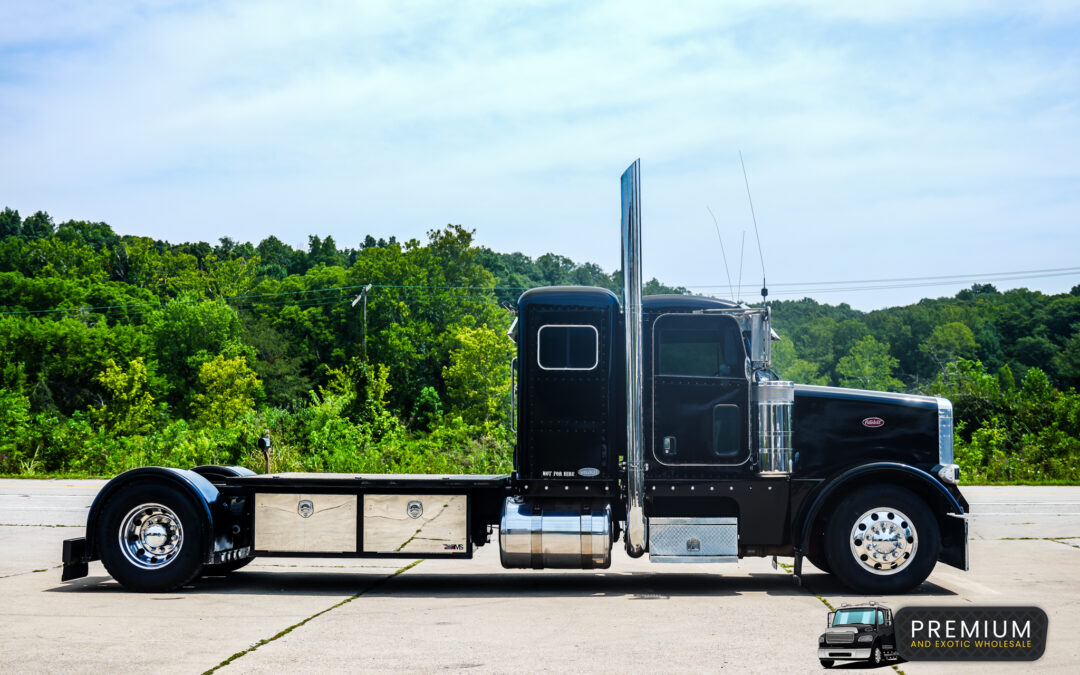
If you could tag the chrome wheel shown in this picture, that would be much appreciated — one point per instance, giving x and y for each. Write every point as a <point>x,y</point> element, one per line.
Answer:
<point>884,540</point>
<point>151,536</point>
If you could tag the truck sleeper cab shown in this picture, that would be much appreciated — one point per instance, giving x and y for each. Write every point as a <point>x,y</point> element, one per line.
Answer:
<point>658,421</point>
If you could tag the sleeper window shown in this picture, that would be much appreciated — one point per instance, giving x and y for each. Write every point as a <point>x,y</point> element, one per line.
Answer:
<point>568,347</point>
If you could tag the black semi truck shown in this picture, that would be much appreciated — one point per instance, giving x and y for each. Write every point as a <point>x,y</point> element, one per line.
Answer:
<point>658,421</point>
<point>859,633</point>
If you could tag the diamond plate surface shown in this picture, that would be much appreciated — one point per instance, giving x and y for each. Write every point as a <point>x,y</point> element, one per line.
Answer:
<point>690,539</point>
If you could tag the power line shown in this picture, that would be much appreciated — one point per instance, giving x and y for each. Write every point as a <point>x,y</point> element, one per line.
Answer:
<point>252,301</point>
<point>913,282</point>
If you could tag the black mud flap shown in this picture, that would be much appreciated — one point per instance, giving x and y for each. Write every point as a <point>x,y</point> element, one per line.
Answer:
<point>954,541</point>
<point>76,562</point>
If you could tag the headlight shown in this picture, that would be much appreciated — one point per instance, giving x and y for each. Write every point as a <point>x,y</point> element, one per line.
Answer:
<point>866,638</point>
<point>821,640</point>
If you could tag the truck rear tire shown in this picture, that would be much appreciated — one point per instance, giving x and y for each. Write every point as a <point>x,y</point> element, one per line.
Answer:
<point>882,539</point>
<point>150,537</point>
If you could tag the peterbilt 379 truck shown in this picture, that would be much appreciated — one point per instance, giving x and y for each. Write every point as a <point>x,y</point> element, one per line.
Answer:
<point>656,420</point>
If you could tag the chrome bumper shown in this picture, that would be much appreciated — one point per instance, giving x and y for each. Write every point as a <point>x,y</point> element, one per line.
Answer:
<point>835,653</point>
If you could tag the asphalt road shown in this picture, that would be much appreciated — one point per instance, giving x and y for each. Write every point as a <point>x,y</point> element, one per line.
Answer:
<point>290,615</point>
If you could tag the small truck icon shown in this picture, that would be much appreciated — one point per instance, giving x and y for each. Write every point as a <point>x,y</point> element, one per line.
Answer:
<point>858,633</point>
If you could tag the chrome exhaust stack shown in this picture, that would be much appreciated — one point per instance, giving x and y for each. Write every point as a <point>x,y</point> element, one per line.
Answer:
<point>636,524</point>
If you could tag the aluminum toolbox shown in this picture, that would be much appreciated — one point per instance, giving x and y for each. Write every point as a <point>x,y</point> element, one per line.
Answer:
<point>417,524</point>
<point>693,539</point>
<point>305,523</point>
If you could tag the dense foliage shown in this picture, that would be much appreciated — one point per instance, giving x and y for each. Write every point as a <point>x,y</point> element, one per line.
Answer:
<point>120,351</point>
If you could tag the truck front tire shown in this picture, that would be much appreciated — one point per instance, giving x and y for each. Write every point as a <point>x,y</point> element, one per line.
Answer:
<point>150,537</point>
<point>876,657</point>
<point>882,539</point>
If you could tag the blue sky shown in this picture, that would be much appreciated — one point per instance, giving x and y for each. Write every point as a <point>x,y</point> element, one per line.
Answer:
<point>903,139</point>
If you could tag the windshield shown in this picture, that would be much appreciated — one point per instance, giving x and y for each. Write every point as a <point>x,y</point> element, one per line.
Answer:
<point>848,617</point>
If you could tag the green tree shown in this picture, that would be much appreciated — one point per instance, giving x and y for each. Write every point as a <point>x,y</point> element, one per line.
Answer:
<point>428,409</point>
<point>14,423</point>
<point>188,332</point>
<point>869,366</point>
<point>789,366</point>
<point>38,226</point>
<point>228,388</point>
<point>976,395</point>
<point>478,377</point>
<point>95,235</point>
<point>284,374</point>
<point>949,342</point>
<point>129,408</point>
<point>1067,362</point>
<point>10,223</point>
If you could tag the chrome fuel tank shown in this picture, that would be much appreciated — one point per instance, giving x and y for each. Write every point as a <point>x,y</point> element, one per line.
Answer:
<point>560,534</point>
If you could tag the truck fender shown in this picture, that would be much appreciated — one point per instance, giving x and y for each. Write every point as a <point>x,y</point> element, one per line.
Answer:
<point>201,490</point>
<point>218,473</point>
<point>938,498</point>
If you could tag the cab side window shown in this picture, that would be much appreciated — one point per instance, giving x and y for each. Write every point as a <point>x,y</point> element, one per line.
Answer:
<point>693,352</point>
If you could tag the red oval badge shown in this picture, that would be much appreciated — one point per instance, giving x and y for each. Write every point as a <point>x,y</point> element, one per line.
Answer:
<point>873,422</point>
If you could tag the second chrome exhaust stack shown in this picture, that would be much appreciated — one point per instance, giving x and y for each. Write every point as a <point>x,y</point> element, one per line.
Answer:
<point>636,524</point>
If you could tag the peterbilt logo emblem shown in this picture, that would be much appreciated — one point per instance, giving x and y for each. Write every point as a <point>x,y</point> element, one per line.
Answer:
<point>305,508</point>
<point>415,509</point>
<point>873,422</point>
<point>588,472</point>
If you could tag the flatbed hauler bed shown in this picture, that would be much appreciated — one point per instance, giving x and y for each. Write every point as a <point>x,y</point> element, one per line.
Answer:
<point>657,420</point>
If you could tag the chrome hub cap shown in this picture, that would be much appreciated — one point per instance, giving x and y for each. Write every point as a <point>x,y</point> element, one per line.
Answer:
<point>884,540</point>
<point>151,536</point>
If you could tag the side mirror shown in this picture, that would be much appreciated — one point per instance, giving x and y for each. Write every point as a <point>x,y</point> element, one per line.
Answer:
<point>831,616</point>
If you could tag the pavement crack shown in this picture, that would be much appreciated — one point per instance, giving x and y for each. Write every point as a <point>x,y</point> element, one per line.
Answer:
<point>35,525</point>
<point>19,574</point>
<point>1056,540</point>
<point>286,631</point>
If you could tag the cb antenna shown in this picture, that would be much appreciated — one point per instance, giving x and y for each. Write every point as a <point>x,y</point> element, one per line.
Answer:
<point>742,254</point>
<point>761,256</point>
<point>722,252</point>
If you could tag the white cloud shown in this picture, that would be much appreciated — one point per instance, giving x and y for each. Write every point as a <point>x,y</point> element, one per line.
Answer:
<point>931,128</point>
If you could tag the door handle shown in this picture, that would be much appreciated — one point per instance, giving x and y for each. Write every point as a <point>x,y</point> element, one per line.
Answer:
<point>669,445</point>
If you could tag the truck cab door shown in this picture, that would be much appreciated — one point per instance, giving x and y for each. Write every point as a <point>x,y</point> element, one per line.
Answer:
<point>700,391</point>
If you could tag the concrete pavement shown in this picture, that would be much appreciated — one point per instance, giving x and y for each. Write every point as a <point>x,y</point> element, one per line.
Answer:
<point>347,615</point>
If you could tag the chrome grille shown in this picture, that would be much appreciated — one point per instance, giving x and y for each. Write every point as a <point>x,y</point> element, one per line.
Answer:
<point>839,638</point>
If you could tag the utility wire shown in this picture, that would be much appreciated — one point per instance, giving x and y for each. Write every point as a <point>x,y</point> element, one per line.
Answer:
<point>975,277</point>
<point>254,300</point>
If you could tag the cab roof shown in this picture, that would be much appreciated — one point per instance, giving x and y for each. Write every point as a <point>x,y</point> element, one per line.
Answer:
<point>592,296</point>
